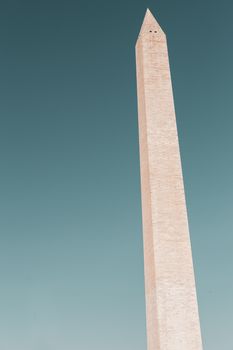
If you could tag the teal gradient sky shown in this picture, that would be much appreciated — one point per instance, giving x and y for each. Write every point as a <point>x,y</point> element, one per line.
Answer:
<point>71,259</point>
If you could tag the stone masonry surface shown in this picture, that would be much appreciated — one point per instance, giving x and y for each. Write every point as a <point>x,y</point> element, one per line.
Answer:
<point>171,303</point>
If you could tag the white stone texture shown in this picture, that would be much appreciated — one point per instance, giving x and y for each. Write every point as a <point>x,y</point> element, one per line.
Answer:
<point>171,303</point>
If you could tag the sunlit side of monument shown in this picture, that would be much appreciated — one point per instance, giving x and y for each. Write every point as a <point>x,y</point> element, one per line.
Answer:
<point>171,303</point>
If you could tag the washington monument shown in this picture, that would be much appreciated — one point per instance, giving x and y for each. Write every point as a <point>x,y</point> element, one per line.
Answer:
<point>171,302</point>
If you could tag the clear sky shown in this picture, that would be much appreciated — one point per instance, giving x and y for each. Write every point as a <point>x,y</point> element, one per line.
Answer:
<point>71,262</point>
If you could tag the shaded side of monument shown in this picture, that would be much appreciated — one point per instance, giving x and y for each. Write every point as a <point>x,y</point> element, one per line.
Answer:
<point>171,302</point>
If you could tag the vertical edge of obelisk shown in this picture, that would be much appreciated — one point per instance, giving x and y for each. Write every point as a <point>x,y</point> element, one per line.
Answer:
<point>149,265</point>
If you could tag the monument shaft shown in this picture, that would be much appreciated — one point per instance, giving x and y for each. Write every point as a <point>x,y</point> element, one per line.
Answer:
<point>171,303</point>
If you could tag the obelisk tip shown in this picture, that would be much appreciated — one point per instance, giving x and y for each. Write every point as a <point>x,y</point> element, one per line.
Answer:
<point>150,25</point>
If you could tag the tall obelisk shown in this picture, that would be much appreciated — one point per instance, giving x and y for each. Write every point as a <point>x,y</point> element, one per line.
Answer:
<point>171,303</point>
